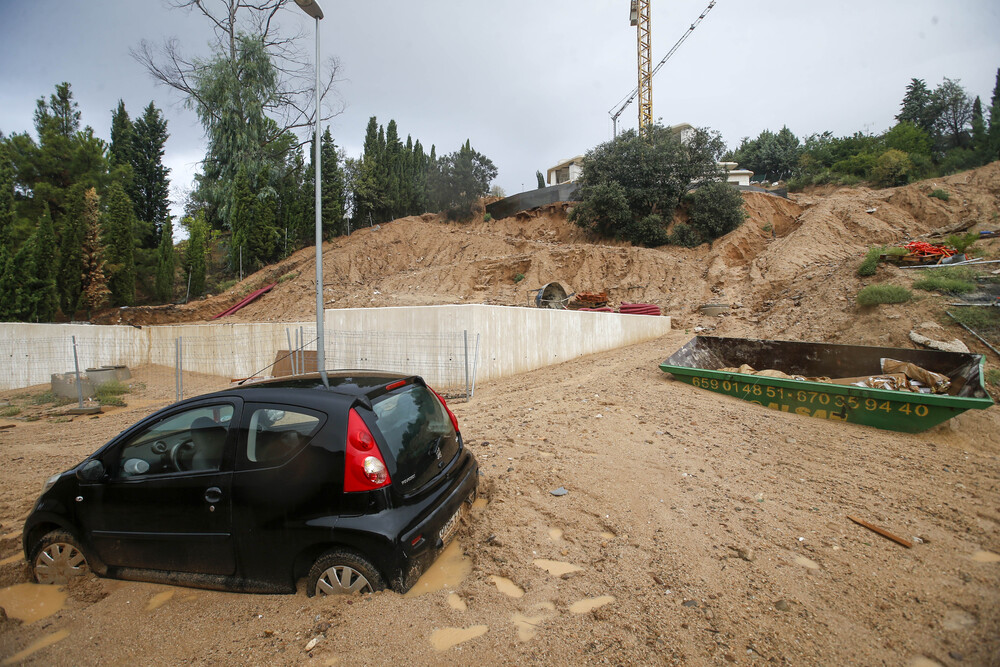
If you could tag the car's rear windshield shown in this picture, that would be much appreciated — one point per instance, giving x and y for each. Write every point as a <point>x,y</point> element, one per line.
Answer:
<point>419,434</point>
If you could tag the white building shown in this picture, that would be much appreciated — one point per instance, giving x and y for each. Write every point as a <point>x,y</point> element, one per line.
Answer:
<point>566,171</point>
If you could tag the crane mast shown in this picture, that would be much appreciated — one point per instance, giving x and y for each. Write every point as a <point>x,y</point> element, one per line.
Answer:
<point>644,90</point>
<point>639,17</point>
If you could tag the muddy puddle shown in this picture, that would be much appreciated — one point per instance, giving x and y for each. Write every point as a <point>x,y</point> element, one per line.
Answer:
<point>556,567</point>
<point>527,626</point>
<point>11,559</point>
<point>32,602</point>
<point>159,600</point>
<point>447,572</point>
<point>506,586</point>
<point>37,645</point>
<point>445,638</point>
<point>590,604</point>
<point>986,557</point>
<point>807,563</point>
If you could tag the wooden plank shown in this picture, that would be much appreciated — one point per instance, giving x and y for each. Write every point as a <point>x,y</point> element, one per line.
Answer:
<point>881,531</point>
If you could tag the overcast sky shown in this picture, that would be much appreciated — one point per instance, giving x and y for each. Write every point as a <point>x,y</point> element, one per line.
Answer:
<point>529,82</point>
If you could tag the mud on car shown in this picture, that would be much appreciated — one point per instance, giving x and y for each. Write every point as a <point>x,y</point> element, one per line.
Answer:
<point>354,481</point>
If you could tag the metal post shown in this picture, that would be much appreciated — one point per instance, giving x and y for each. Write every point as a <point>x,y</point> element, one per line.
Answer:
<point>301,347</point>
<point>180,367</point>
<point>465,333</point>
<point>291,350</point>
<point>79,386</point>
<point>320,349</point>
<point>475,368</point>
<point>177,369</point>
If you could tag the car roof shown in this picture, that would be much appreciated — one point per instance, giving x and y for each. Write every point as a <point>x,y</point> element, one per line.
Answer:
<point>352,383</point>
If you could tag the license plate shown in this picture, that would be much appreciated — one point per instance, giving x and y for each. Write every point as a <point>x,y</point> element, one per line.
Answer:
<point>451,527</point>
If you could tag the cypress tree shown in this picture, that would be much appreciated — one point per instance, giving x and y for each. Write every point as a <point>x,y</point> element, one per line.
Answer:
<point>166,264</point>
<point>993,135</point>
<point>979,142</point>
<point>119,241</point>
<point>42,292</point>
<point>93,288</point>
<point>194,258</point>
<point>151,192</point>
<point>333,188</point>
<point>71,270</point>
<point>7,286</point>
<point>121,149</point>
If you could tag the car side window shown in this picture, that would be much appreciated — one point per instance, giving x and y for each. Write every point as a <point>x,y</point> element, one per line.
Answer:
<point>277,433</point>
<point>189,441</point>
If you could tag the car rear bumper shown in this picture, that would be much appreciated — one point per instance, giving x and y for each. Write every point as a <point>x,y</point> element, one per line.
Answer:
<point>422,543</point>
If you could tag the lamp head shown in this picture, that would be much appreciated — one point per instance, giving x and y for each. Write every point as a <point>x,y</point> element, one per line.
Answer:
<point>310,7</point>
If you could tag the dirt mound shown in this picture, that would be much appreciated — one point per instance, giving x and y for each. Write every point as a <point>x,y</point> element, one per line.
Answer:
<point>789,270</point>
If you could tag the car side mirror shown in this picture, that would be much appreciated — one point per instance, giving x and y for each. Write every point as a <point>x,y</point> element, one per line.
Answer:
<point>91,471</point>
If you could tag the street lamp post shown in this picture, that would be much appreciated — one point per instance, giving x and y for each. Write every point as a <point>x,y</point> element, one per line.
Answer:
<point>312,8</point>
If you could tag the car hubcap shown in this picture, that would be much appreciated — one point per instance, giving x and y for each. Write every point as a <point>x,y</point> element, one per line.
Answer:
<point>341,579</point>
<point>58,563</point>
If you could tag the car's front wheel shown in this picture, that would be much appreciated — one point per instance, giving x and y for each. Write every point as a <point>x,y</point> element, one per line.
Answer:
<point>57,559</point>
<point>341,572</point>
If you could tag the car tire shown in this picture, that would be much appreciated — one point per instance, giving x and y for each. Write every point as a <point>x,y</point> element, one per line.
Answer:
<point>342,572</point>
<point>57,559</point>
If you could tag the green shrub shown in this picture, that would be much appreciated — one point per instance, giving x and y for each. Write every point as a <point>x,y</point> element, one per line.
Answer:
<point>940,194</point>
<point>225,286</point>
<point>288,276</point>
<point>519,277</point>
<point>871,260</point>
<point>956,279</point>
<point>892,168</point>
<point>961,242</point>
<point>10,411</point>
<point>993,376</point>
<point>715,209</point>
<point>870,263</point>
<point>984,321</point>
<point>110,393</point>
<point>487,218</point>
<point>876,294</point>
<point>685,236</point>
<point>606,211</point>
<point>649,232</point>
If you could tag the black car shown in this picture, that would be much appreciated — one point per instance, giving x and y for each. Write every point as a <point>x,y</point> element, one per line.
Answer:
<point>355,481</point>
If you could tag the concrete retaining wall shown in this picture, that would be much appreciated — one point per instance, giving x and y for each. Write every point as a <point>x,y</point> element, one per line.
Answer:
<point>512,340</point>
<point>530,199</point>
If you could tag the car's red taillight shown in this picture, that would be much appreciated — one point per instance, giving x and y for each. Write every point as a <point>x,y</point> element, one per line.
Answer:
<point>454,421</point>
<point>364,467</point>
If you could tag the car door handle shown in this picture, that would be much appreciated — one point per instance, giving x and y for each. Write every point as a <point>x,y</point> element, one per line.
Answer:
<point>213,495</point>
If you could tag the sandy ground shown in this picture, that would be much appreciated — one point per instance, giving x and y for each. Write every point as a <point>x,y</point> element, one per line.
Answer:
<point>705,530</point>
<point>697,529</point>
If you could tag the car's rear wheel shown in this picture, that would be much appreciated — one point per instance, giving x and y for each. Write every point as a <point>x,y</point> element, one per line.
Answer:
<point>58,559</point>
<point>340,572</point>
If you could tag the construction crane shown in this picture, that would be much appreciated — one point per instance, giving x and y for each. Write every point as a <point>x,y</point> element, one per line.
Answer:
<point>639,17</point>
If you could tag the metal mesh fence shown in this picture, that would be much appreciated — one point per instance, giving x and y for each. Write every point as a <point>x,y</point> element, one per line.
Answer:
<point>165,367</point>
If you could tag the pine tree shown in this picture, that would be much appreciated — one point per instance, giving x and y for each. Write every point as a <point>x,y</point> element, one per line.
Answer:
<point>919,107</point>
<point>94,287</point>
<point>119,243</point>
<point>993,134</point>
<point>540,179</point>
<point>166,264</point>
<point>194,258</point>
